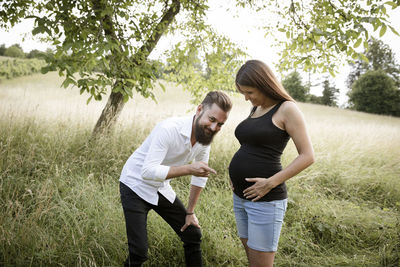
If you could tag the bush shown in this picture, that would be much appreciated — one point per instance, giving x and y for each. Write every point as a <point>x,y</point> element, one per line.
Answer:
<point>14,51</point>
<point>2,49</point>
<point>314,99</point>
<point>13,68</point>
<point>375,92</point>
<point>36,54</point>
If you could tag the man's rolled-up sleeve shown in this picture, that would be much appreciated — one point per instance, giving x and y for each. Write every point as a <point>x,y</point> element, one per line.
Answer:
<point>202,156</point>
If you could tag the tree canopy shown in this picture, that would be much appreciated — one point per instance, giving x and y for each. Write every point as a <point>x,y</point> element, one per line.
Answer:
<point>117,37</point>
<point>14,51</point>
<point>380,57</point>
<point>329,93</point>
<point>294,85</point>
<point>375,92</point>
<point>322,33</point>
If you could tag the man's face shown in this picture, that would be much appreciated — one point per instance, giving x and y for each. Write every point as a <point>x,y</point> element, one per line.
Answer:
<point>208,122</point>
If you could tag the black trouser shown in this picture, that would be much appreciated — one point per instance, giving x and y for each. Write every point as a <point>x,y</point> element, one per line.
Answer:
<point>136,210</point>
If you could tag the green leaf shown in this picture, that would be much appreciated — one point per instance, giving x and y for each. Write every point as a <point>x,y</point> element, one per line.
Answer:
<point>67,82</point>
<point>376,24</point>
<point>394,30</point>
<point>162,86</point>
<point>383,30</point>
<point>39,29</point>
<point>88,100</point>
<point>364,58</point>
<point>357,44</point>
<point>392,4</point>
<point>126,98</point>
<point>131,81</point>
<point>45,70</point>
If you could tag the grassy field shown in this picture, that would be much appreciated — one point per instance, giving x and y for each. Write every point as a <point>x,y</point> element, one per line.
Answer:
<point>59,199</point>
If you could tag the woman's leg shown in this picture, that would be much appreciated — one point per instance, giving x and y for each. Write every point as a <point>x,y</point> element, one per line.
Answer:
<point>241,221</point>
<point>246,248</point>
<point>260,258</point>
<point>264,228</point>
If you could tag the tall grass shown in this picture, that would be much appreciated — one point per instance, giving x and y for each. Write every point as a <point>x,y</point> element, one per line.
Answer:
<point>60,203</point>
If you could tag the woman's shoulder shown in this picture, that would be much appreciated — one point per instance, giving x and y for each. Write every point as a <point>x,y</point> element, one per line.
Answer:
<point>290,112</point>
<point>288,106</point>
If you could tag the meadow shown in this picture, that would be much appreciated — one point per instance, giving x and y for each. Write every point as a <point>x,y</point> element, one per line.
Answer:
<point>59,195</point>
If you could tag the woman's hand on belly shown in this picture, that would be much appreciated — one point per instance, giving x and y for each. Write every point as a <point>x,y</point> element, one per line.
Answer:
<point>259,189</point>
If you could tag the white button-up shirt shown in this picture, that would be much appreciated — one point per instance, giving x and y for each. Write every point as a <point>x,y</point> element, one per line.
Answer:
<point>167,145</point>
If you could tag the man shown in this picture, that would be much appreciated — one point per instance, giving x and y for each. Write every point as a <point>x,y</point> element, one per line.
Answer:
<point>167,153</point>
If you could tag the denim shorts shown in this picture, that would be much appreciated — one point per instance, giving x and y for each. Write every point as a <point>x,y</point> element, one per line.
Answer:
<point>259,222</point>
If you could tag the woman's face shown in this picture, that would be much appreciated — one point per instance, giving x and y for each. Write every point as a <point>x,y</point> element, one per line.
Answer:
<point>253,94</point>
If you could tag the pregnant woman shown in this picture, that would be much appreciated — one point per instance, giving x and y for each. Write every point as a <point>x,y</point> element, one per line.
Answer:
<point>256,174</point>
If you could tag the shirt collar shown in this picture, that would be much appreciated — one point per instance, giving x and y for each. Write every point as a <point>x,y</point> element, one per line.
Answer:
<point>186,129</point>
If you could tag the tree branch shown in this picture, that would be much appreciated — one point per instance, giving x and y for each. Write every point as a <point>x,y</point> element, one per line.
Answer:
<point>159,30</point>
<point>300,22</point>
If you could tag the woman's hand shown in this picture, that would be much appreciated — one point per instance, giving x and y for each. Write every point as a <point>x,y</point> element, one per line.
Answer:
<point>259,189</point>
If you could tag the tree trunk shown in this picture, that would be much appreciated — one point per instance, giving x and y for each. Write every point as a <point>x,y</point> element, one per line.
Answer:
<point>110,114</point>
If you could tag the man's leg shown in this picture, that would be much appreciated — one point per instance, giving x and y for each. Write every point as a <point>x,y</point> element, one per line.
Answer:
<point>135,211</point>
<point>174,214</point>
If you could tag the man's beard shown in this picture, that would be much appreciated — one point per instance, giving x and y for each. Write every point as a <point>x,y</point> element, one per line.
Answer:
<point>203,136</point>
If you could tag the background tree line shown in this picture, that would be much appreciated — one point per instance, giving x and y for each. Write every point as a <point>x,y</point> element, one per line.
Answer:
<point>16,51</point>
<point>300,90</point>
<point>373,83</point>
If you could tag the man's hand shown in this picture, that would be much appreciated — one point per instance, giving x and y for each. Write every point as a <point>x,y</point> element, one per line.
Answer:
<point>201,169</point>
<point>190,220</point>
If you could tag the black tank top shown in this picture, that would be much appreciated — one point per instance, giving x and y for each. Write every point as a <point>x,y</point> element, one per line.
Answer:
<point>259,155</point>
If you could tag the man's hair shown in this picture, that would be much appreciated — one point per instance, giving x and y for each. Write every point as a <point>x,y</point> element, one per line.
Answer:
<point>219,98</point>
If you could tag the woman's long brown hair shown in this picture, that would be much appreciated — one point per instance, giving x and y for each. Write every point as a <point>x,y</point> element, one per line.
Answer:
<point>256,74</point>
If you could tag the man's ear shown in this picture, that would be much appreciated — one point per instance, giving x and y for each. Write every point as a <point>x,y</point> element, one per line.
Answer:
<point>199,109</point>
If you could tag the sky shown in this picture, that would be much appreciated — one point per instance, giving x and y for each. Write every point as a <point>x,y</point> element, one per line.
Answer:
<point>241,26</point>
